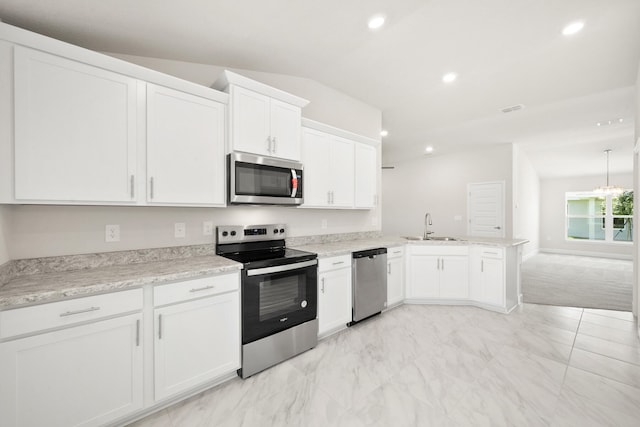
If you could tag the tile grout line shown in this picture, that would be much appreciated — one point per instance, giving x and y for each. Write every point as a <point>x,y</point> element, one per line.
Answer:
<point>573,344</point>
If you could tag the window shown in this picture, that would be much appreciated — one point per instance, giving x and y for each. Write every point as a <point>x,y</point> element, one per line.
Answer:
<point>600,217</point>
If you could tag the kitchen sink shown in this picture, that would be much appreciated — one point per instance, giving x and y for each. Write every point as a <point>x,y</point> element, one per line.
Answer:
<point>439,239</point>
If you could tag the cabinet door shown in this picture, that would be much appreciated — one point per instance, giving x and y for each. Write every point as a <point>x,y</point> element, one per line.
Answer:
<point>342,173</point>
<point>334,299</point>
<point>424,276</point>
<point>75,131</point>
<point>250,121</point>
<point>366,181</point>
<point>395,280</point>
<point>316,158</point>
<point>493,286</point>
<point>185,148</point>
<point>195,342</point>
<point>82,376</point>
<point>285,130</point>
<point>454,277</point>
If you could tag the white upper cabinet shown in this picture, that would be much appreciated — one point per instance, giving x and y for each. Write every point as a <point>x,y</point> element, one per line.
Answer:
<point>328,170</point>
<point>75,131</point>
<point>366,179</point>
<point>263,120</point>
<point>185,148</point>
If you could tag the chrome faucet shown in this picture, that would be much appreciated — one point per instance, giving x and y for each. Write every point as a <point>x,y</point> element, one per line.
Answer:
<point>427,223</point>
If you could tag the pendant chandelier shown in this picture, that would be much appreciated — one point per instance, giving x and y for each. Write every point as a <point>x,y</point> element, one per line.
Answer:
<point>608,189</point>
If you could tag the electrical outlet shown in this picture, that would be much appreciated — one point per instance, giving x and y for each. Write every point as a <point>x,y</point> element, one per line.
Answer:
<point>112,233</point>
<point>324,224</point>
<point>180,230</point>
<point>207,228</point>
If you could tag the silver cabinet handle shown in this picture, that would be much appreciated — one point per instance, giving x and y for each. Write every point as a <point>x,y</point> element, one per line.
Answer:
<point>328,197</point>
<point>388,268</point>
<point>331,196</point>
<point>338,263</point>
<point>151,187</point>
<point>86,310</point>
<point>482,266</point>
<point>269,144</point>
<point>497,227</point>
<point>138,333</point>
<point>397,252</point>
<point>322,287</point>
<point>159,326</point>
<point>132,183</point>
<point>204,288</point>
<point>275,147</point>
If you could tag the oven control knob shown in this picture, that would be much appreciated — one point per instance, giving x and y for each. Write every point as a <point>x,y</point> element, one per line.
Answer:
<point>225,233</point>
<point>233,233</point>
<point>282,230</point>
<point>303,304</point>
<point>275,231</point>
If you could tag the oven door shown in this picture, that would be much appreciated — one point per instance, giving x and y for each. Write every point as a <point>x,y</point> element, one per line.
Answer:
<point>278,298</point>
<point>263,180</point>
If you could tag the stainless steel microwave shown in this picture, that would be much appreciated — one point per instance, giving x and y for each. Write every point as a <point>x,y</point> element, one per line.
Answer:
<point>261,180</point>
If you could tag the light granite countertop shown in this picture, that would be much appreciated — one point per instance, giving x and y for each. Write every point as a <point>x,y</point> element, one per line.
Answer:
<point>43,280</point>
<point>52,286</point>
<point>345,247</point>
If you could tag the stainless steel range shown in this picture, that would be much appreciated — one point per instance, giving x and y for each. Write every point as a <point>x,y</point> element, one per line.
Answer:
<point>278,294</point>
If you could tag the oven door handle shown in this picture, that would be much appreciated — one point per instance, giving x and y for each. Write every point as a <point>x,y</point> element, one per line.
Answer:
<point>279,268</point>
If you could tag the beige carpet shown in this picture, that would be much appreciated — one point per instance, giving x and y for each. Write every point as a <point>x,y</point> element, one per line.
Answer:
<point>578,281</point>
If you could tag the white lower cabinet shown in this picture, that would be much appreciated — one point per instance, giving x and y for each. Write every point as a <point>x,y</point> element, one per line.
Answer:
<point>437,272</point>
<point>488,275</point>
<point>198,340</point>
<point>334,293</point>
<point>85,375</point>
<point>395,275</point>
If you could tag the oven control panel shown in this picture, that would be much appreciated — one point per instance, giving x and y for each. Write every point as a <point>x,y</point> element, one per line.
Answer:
<point>250,233</point>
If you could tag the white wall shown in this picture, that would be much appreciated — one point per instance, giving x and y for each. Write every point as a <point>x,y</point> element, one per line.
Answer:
<point>5,229</point>
<point>438,184</point>
<point>61,230</point>
<point>526,202</point>
<point>636,217</point>
<point>552,216</point>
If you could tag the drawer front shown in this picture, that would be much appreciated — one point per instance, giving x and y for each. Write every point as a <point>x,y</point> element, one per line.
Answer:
<point>333,263</point>
<point>496,253</point>
<point>195,288</point>
<point>437,250</point>
<point>395,252</point>
<point>65,313</point>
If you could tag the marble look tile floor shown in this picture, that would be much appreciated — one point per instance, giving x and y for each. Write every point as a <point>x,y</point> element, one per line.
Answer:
<point>425,365</point>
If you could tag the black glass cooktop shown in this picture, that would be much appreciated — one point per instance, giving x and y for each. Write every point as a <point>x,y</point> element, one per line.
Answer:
<point>270,257</point>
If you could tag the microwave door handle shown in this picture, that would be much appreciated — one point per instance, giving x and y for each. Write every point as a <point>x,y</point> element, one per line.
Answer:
<point>294,183</point>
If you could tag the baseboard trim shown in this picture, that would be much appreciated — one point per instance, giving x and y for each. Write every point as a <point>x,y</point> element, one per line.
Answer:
<point>587,253</point>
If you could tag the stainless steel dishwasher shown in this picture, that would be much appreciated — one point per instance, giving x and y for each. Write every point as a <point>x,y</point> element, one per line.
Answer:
<point>369,283</point>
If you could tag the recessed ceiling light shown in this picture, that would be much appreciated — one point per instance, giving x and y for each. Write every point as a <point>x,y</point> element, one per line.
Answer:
<point>429,149</point>
<point>572,28</point>
<point>384,133</point>
<point>376,21</point>
<point>449,77</point>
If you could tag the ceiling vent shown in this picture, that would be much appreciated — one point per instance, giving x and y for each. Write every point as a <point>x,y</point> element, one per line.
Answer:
<point>512,108</point>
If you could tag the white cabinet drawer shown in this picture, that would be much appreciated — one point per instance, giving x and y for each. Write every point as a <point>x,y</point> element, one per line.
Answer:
<point>64,313</point>
<point>333,263</point>
<point>395,252</point>
<point>496,253</point>
<point>196,288</point>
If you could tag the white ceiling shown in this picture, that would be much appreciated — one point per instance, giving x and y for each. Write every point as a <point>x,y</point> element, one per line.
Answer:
<point>506,52</point>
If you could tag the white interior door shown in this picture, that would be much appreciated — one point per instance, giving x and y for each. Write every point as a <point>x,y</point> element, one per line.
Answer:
<point>486,209</point>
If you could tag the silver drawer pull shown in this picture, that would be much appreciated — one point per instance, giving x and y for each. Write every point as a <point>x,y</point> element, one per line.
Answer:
<point>204,288</point>
<point>86,310</point>
<point>338,263</point>
<point>397,252</point>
